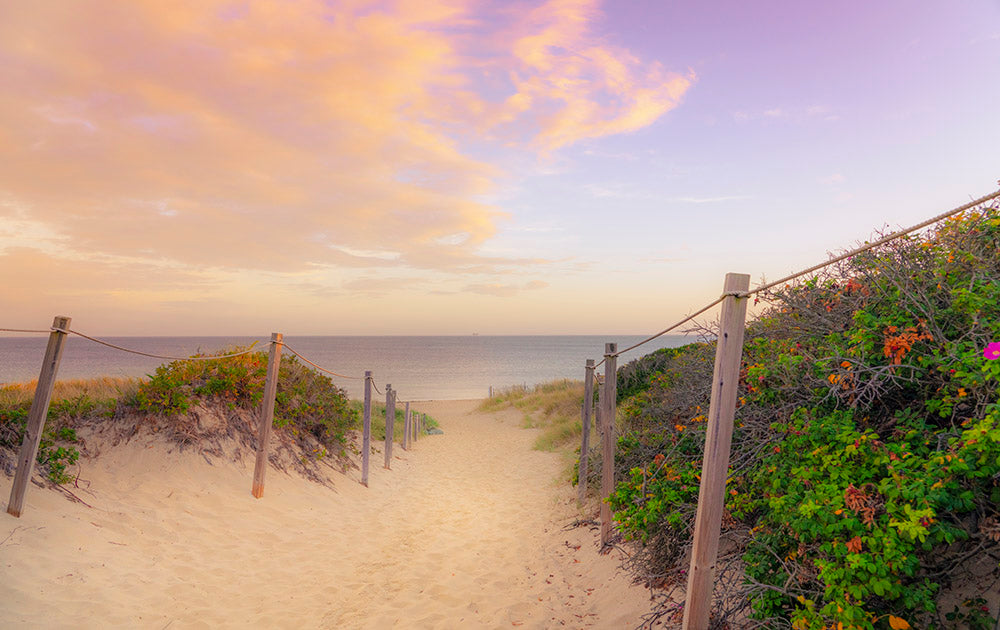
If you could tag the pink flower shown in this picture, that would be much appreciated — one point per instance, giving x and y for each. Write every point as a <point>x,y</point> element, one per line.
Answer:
<point>992,350</point>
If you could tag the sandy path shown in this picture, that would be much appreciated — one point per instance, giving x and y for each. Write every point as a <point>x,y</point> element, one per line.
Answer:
<point>464,532</point>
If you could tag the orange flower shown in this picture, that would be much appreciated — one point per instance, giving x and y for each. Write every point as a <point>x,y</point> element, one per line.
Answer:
<point>898,623</point>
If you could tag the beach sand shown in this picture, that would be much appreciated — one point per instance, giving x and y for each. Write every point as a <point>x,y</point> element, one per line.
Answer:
<point>465,531</point>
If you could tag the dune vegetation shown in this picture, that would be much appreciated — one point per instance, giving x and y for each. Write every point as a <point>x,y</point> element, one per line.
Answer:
<point>211,405</point>
<point>864,481</point>
<point>553,407</point>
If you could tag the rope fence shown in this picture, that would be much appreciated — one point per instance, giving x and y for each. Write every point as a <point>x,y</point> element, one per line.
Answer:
<point>159,356</point>
<point>321,369</point>
<point>729,348</point>
<point>721,416</point>
<point>882,241</point>
<point>60,331</point>
<point>21,330</point>
<point>666,330</point>
<point>854,252</point>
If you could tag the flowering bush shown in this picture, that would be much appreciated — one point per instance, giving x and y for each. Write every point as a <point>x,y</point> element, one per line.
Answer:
<point>865,469</point>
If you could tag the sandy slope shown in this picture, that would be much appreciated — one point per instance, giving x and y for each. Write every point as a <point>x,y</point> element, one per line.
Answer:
<point>466,531</point>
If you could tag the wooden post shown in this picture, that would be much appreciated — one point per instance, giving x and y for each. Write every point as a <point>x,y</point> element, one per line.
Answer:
<point>406,427</point>
<point>588,404</point>
<point>608,407</point>
<point>598,412</point>
<point>37,414</point>
<point>390,423</point>
<point>414,428</point>
<point>715,465</point>
<point>366,436</point>
<point>267,414</point>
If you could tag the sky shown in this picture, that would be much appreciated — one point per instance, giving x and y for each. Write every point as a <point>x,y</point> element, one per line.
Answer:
<point>425,167</point>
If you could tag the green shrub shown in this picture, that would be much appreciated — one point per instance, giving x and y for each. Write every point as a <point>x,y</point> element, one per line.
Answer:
<point>56,452</point>
<point>865,466</point>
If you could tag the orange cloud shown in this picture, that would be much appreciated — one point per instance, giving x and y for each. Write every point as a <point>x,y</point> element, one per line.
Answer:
<point>505,290</point>
<point>573,86</point>
<point>274,136</point>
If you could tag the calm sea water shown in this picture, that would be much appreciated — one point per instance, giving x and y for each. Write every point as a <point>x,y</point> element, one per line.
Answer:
<point>419,368</point>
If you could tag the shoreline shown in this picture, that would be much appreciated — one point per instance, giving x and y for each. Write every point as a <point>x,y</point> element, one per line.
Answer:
<point>425,368</point>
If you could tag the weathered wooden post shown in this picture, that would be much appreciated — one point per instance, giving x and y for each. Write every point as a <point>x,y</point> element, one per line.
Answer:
<point>598,412</point>
<point>608,406</point>
<point>715,465</point>
<point>267,414</point>
<point>414,426</point>
<point>390,423</point>
<point>588,404</point>
<point>406,427</point>
<point>366,434</point>
<point>38,413</point>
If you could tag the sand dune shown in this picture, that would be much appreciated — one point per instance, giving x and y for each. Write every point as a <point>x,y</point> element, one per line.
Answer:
<point>466,531</point>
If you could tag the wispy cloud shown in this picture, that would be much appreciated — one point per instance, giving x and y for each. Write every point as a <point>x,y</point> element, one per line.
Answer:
<point>505,290</point>
<point>790,114</point>
<point>380,285</point>
<point>719,199</point>
<point>624,191</point>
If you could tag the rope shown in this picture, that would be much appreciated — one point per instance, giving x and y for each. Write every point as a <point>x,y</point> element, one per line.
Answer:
<point>854,252</point>
<point>665,331</point>
<point>881,241</point>
<point>375,387</point>
<point>170,358</point>
<point>19,330</point>
<point>292,350</point>
<point>159,356</point>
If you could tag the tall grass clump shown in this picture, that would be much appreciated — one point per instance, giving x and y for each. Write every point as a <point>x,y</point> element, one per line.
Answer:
<point>309,407</point>
<point>378,420</point>
<point>307,404</point>
<point>864,480</point>
<point>553,407</point>
<point>72,400</point>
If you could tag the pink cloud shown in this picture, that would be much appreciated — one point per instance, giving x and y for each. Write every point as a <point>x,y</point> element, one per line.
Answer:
<point>275,135</point>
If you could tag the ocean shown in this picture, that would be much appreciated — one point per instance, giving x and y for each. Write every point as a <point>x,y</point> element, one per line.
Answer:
<point>418,368</point>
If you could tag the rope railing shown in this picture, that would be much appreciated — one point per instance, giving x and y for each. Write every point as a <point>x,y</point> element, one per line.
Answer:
<point>70,331</point>
<point>854,252</point>
<point>721,416</point>
<point>55,348</point>
<point>874,244</point>
<point>155,356</point>
<point>179,358</point>
<point>321,369</point>
<point>21,330</point>
<point>666,330</point>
